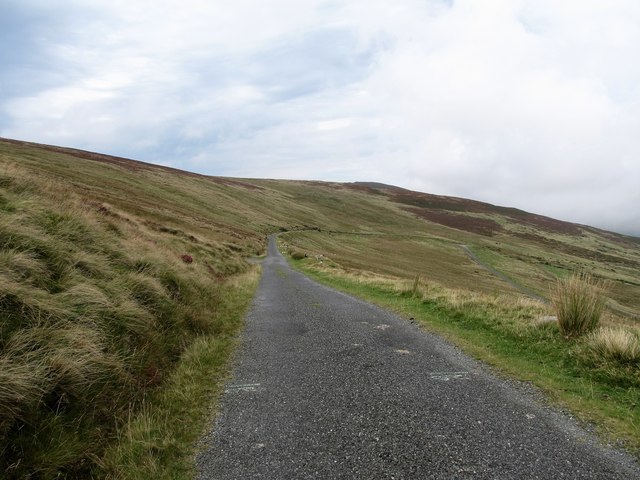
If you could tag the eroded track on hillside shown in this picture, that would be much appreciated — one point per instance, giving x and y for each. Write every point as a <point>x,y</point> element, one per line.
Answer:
<point>528,292</point>
<point>330,387</point>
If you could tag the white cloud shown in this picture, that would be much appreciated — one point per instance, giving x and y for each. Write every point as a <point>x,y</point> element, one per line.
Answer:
<point>526,103</point>
<point>333,124</point>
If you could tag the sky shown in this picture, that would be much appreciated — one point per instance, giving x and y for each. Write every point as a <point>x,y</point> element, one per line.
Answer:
<point>532,104</point>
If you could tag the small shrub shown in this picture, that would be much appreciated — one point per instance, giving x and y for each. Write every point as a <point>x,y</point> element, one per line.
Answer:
<point>579,301</point>
<point>186,258</point>
<point>615,344</point>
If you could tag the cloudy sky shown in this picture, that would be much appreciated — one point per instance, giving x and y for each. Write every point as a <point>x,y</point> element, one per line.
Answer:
<point>526,103</point>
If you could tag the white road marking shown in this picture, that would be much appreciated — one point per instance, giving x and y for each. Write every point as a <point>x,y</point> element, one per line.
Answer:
<point>247,387</point>
<point>446,376</point>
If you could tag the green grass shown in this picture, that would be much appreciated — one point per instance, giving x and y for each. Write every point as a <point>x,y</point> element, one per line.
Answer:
<point>160,440</point>
<point>507,332</point>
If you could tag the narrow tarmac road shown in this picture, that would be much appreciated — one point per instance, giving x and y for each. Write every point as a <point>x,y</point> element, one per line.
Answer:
<point>330,387</point>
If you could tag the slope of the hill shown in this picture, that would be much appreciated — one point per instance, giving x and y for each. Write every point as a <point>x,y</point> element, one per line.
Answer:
<point>409,232</point>
<point>111,269</point>
<point>109,282</point>
<point>531,249</point>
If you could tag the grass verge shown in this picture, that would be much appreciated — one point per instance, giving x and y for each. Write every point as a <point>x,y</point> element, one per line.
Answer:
<point>160,441</point>
<point>510,334</point>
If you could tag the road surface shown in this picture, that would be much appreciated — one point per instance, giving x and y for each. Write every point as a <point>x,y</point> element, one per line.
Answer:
<point>326,386</point>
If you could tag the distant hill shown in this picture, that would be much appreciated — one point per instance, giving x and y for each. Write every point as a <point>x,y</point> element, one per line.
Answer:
<point>427,203</point>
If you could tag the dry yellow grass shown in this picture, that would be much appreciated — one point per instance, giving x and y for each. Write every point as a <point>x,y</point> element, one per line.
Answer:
<point>516,308</point>
<point>98,305</point>
<point>616,344</point>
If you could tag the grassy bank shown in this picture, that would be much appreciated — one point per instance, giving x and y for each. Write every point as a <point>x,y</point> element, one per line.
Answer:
<point>107,320</point>
<point>510,333</point>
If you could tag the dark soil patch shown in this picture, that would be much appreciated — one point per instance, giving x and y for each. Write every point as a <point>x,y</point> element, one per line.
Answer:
<point>481,226</point>
<point>578,251</point>
<point>626,240</point>
<point>455,204</point>
<point>549,224</point>
<point>362,188</point>
<point>424,200</point>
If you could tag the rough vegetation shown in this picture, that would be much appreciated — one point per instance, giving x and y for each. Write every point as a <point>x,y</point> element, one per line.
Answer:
<point>120,281</point>
<point>97,308</point>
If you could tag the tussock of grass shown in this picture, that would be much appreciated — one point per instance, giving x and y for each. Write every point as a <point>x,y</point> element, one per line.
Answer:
<point>615,344</point>
<point>579,301</point>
